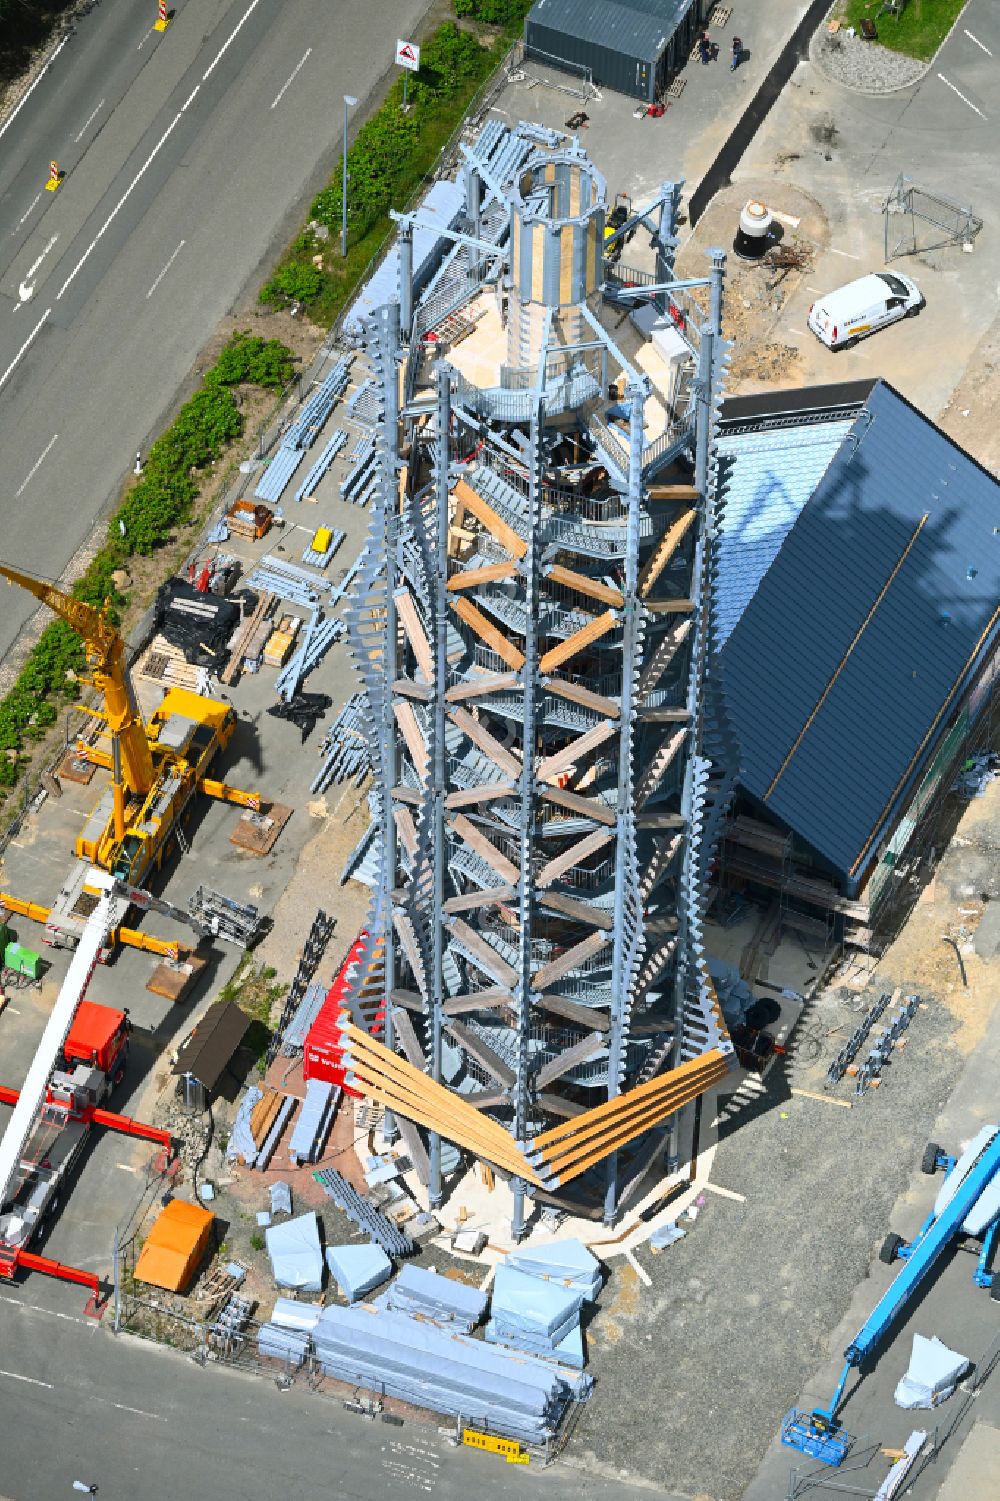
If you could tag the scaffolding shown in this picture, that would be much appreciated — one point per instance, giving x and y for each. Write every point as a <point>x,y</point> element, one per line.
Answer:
<point>917,220</point>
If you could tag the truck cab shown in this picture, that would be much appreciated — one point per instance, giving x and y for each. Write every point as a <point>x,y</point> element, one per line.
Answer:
<point>98,1039</point>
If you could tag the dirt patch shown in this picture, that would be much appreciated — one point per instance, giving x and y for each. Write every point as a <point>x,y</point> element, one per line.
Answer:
<point>624,1308</point>
<point>968,417</point>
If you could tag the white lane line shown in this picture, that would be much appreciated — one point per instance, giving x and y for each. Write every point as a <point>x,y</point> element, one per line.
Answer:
<point>190,98</point>
<point>846,253</point>
<point>961,96</point>
<point>29,1379</point>
<point>38,261</point>
<point>27,211</point>
<point>165,269</point>
<point>87,122</point>
<point>37,464</point>
<point>294,74</point>
<point>145,39</point>
<point>122,200</point>
<point>34,1308</point>
<point>14,113</point>
<point>226,44</point>
<point>139,1412</point>
<point>23,349</point>
<point>977,41</point>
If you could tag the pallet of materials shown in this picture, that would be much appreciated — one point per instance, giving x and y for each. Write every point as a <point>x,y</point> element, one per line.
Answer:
<point>165,663</point>
<point>245,519</point>
<point>244,645</point>
<point>257,832</point>
<point>281,641</point>
<point>173,978</point>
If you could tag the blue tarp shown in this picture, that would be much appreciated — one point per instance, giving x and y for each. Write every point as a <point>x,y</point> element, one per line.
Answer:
<point>565,1261</point>
<point>417,1289</point>
<point>296,1258</point>
<point>358,1269</point>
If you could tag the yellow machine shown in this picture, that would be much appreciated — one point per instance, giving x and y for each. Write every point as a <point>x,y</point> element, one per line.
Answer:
<point>157,766</point>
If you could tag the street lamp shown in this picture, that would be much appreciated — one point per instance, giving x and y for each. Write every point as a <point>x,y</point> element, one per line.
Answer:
<point>349,102</point>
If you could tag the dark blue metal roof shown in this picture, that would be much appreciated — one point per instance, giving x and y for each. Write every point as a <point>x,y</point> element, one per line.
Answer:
<point>851,657</point>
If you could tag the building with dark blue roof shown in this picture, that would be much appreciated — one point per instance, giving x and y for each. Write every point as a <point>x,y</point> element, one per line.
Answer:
<point>859,616</point>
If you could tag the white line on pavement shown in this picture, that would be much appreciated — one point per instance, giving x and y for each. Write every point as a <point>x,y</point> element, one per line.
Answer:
<point>139,1412</point>
<point>23,349</point>
<point>797,331</point>
<point>846,253</point>
<point>294,74</point>
<point>87,122</point>
<point>961,96</point>
<point>123,199</point>
<point>165,269</point>
<point>27,211</point>
<point>190,98</point>
<point>29,1379</point>
<point>145,39</point>
<point>37,262</point>
<point>232,36</point>
<point>34,1308</point>
<point>977,41</point>
<point>37,464</point>
<point>13,115</point>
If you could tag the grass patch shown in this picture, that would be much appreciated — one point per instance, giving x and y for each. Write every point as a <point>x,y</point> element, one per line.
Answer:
<point>918,32</point>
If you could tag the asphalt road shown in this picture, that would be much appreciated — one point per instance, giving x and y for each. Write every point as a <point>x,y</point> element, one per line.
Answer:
<point>186,156</point>
<point>146,1424</point>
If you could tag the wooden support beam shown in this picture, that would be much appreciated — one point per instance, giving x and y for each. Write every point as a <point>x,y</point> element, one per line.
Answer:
<point>487,743</point>
<point>597,917</point>
<point>578,954</point>
<point>472,578</point>
<point>408,998</point>
<point>487,632</point>
<point>414,737</point>
<point>482,1052</point>
<point>669,606</point>
<point>585,636</point>
<point>471,901</point>
<point>659,821</point>
<point>468,796</point>
<point>406,829</point>
<point>478,1000</point>
<point>408,1037</point>
<point>665,550</point>
<point>422,692</point>
<point>674,492</point>
<point>485,848</point>
<point>554,1104</point>
<point>576,694</point>
<point>584,585</point>
<point>572,1011</point>
<point>549,1141</point>
<point>478,687</point>
<point>578,1053</point>
<point>404,794</point>
<point>551,766</point>
<point>415,634</point>
<point>470,500</point>
<point>664,716</point>
<point>483,955</point>
<point>585,807</point>
<point>487,1099</point>
<point>588,845</point>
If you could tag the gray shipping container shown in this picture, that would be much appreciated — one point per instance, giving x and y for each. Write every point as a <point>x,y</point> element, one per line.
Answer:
<point>631,46</point>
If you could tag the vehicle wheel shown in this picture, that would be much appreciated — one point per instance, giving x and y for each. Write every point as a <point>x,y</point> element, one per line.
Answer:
<point>890,1248</point>
<point>911,312</point>
<point>928,1162</point>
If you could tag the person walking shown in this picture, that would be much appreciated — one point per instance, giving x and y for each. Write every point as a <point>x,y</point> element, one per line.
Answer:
<point>704,48</point>
<point>737,56</point>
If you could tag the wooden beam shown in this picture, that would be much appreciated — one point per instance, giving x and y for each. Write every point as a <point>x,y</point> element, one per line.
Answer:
<point>488,632</point>
<point>413,735</point>
<point>404,794</point>
<point>487,1099</point>
<point>597,917</point>
<point>572,1011</point>
<point>584,585</point>
<point>408,1037</point>
<point>472,900</point>
<point>659,821</point>
<point>576,694</point>
<point>409,689</point>
<point>551,766</point>
<point>484,741</point>
<point>407,612</point>
<point>664,550</point>
<point>482,1052</point>
<point>588,845</point>
<point>578,954</point>
<point>467,796</point>
<point>477,687</point>
<point>485,848</point>
<point>483,955</point>
<point>585,807</point>
<point>471,578</point>
<point>406,829</point>
<point>554,1104</point>
<point>669,606</point>
<point>633,1098</point>
<point>585,636</point>
<point>674,492</point>
<point>578,1053</point>
<point>408,998</point>
<point>477,1000</point>
<point>471,500</point>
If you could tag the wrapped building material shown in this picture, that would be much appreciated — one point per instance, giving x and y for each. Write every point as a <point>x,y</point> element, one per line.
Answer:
<point>932,1375</point>
<point>289,1313</point>
<point>565,1261</point>
<point>358,1269</point>
<point>418,1290</point>
<point>296,1258</point>
<point>281,1343</point>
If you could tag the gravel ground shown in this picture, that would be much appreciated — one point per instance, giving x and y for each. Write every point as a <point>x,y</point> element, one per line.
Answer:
<point>864,65</point>
<point>705,1362</point>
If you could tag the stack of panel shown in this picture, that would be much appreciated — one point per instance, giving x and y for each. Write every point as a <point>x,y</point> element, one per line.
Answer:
<point>418,1290</point>
<point>314,1120</point>
<point>417,1361</point>
<point>567,1262</point>
<point>528,1313</point>
<point>358,1270</point>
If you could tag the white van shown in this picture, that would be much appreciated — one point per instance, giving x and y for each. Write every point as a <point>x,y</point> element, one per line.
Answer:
<point>843,317</point>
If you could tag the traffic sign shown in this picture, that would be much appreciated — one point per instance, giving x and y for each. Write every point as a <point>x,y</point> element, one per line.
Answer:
<point>408,56</point>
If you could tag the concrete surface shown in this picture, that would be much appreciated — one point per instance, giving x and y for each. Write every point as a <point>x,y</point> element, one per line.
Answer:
<point>184,168</point>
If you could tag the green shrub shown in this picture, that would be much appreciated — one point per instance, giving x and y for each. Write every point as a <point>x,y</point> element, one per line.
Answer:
<point>494,12</point>
<point>250,360</point>
<point>298,281</point>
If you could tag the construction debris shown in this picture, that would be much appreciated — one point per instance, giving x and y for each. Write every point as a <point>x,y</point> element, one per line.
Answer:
<point>932,1375</point>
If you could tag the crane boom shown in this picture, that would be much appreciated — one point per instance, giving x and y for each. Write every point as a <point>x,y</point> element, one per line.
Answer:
<point>106,656</point>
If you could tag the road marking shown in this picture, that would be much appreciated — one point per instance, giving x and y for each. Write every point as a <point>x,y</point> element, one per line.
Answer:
<point>29,1379</point>
<point>165,269</point>
<point>961,96</point>
<point>37,465</point>
<point>23,349</point>
<point>724,1193</point>
<point>122,200</point>
<point>797,331</point>
<point>814,289</point>
<point>145,39</point>
<point>846,253</point>
<point>294,74</point>
<point>231,38</point>
<point>26,289</point>
<point>190,98</point>
<point>13,115</point>
<point>126,1167</point>
<point>977,41</point>
<point>34,1308</point>
<point>87,122</point>
<point>156,1416</point>
<point>27,211</point>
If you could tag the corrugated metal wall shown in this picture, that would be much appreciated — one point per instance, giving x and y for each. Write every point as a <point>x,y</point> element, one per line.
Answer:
<point>639,77</point>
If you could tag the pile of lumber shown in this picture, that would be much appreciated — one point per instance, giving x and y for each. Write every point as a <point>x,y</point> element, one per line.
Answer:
<point>264,1114</point>
<point>162,662</point>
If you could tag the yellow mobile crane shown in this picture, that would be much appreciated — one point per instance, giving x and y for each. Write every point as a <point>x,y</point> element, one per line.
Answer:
<point>156,766</point>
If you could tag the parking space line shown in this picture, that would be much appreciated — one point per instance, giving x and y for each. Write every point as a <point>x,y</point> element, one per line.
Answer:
<point>295,73</point>
<point>961,96</point>
<point>846,253</point>
<point>29,1379</point>
<point>37,465</point>
<point>978,43</point>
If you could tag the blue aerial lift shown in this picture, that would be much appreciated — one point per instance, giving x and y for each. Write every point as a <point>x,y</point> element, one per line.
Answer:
<point>967,1204</point>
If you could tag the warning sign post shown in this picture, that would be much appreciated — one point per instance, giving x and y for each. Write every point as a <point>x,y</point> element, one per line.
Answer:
<point>407,58</point>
